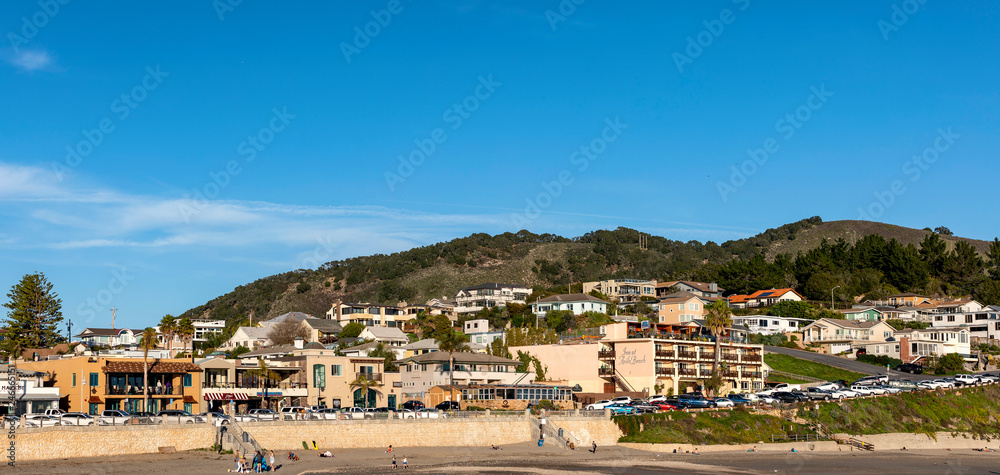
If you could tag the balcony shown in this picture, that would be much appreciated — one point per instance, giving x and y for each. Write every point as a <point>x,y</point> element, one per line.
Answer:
<point>377,377</point>
<point>687,372</point>
<point>751,358</point>
<point>606,354</point>
<point>708,356</point>
<point>664,371</point>
<point>686,354</point>
<point>137,391</point>
<point>730,357</point>
<point>606,371</point>
<point>752,374</point>
<point>664,353</point>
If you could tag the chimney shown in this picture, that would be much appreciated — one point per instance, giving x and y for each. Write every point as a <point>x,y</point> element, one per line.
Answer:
<point>904,349</point>
<point>713,287</point>
<point>299,342</point>
<point>337,305</point>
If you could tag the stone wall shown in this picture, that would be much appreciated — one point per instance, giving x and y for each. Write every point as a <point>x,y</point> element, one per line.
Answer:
<point>62,442</point>
<point>345,434</point>
<point>590,429</point>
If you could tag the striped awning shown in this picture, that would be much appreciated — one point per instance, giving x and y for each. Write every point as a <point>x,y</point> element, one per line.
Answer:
<point>226,397</point>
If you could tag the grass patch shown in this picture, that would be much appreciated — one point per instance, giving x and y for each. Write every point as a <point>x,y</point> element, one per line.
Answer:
<point>969,410</point>
<point>737,426</point>
<point>812,369</point>
<point>777,378</point>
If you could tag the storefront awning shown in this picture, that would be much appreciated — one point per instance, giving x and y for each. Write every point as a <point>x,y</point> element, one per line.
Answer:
<point>190,399</point>
<point>226,397</point>
<point>95,400</point>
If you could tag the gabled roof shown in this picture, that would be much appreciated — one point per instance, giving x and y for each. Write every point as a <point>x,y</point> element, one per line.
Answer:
<point>324,325</point>
<point>294,316</point>
<point>256,333</point>
<point>365,346</point>
<point>154,367</point>
<point>850,324</point>
<point>702,286</point>
<point>570,298</point>
<point>425,344</point>
<point>387,333</point>
<point>103,331</point>
<point>773,293</point>
<point>739,298</point>
<point>679,297</point>
<point>270,350</point>
<point>855,310</point>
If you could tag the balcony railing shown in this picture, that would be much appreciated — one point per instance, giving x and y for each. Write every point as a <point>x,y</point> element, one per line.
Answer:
<point>377,376</point>
<point>708,356</point>
<point>605,354</point>
<point>686,354</point>
<point>751,357</point>
<point>687,372</point>
<point>730,357</point>
<point>254,385</point>
<point>664,371</point>
<point>606,371</point>
<point>664,353</point>
<point>752,374</point>
<point>137,391</point>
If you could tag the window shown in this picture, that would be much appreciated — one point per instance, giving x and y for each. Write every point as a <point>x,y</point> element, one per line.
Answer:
<point>94,379</point>
<point>968,319</point>
<point>188,407</point>
<point>74,380</point>
<point>336,370</point>
<point>187,380</point>
<point>319,376</point>
<point>951,318</point>
<point>92,409</point>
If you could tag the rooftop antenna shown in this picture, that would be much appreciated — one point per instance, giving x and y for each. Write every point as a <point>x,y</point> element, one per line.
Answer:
<point>114,312</point>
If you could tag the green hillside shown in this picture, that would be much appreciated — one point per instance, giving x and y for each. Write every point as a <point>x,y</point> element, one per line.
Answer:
<point>833,253</point>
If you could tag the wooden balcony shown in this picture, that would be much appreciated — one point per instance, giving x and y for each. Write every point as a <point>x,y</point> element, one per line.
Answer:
<point>664,353</point>
<point>755,358</point>
<point>664,371</point>
<point>686,354</point>
<point>606,371</point>
<point>687,372</point>
<point>606,354</point>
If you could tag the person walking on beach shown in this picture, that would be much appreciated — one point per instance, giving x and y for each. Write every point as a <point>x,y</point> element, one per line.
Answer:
<point>594,450</point>
<point>404,463</point>
<point>393,462</point>
<point>270,465</point>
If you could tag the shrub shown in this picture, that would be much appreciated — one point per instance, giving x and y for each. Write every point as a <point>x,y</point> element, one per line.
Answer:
<point>880,360</point>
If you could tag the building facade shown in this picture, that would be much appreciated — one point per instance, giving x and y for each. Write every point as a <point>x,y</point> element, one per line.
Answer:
<point>576,303</point>
<point>475,298</point>
<point>422,372</point>
<point>623,290</point>
<point>769,324</point>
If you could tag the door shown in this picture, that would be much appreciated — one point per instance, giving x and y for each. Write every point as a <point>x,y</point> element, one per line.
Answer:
<point>392,401</point>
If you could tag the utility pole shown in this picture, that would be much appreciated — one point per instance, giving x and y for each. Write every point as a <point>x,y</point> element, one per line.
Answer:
<point>114,312</point>
<point>69,330</point>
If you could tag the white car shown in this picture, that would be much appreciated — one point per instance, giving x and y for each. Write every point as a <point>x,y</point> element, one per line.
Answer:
<point>766,399</point>
<point>863,390</point>
<point>890,389</point>
<point>114,417</point>
<point>77,419</point>
<point>987,378</point>
<point>751,397</point>
<point>943,383</point>
<point>406,414</point>
<point>621,400</point>
<point>426,413</point>
<point>967,379</point>
<point>657,398</point>
<point>293,413</point>
<point>828,387</point>
<point>599,405</point>
<point>779,387</point>
<point>848,392</point>
<point>356,413</point>
<point>928,384</point>
<point>40,420</point>
<point>326,414</point>
<point>723,402</point>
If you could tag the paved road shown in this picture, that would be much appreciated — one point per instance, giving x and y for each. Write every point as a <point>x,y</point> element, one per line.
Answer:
<point>844,363</point>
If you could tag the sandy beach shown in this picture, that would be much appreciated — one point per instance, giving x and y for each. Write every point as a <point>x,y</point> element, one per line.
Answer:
<point>529,458</point>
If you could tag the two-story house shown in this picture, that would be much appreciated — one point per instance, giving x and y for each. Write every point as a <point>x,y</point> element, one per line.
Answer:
<point>838,336</point>
<point>681,309</point>
<point>475,298</point>
<point>576,303</point>
<point>770,324</point>
<point>710,290</point>
<point>623,290</point>
<point>422,372</point>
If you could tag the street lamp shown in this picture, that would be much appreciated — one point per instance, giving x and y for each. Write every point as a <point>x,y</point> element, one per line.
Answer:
<point>831,296</point>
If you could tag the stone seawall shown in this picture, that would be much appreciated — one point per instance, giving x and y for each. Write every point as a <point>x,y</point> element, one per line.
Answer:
<point>62,442</point>
<point>590,429</point>
<point>289,435</point>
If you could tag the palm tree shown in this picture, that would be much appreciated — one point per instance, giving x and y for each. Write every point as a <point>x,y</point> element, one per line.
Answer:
<point>718,318</point>
<point>146,342</point>
<point>365,384</point>
<point>265,374</point>
<point>452,342</point>
<point>168,326</point>
<point>185,328</point>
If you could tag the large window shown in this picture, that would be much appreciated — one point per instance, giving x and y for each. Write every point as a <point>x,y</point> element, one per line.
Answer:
<point>336,370</point>
<point>94,379</point>
<point>187,380</point>
<point>93,409</point>
<point>319,376</point>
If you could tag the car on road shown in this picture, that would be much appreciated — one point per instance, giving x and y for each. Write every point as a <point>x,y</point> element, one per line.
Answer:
<point>412,405</point>
<point>77,419</point>
<point>448,406</point>
<point>740,400</point>
<point>426,413</point>
<point>696,402</point>
<point>911,368</point>
<point>621,409</point>
<point>113,417</point>
<point>643,407</point>
<point>789,397</point>
<point>218,418</point>
<point>599,405</point>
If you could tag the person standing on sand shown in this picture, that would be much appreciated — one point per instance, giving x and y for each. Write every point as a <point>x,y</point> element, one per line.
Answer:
<point>270,466</point>
<point>594,450</point>
<point>393,462</point>
<point>404,463</point>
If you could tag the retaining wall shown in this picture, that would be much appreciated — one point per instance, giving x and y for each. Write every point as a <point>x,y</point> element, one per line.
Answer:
<point>65,442</point>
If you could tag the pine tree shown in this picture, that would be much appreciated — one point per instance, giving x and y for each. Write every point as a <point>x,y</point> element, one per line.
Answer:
<point>34,313</point>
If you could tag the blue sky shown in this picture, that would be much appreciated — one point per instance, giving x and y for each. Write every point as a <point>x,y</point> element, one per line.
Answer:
<point>156,156</point>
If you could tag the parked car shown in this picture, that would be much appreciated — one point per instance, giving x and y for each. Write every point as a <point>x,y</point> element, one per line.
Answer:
<point>697,402</point>
<point>218,418</point>
<point>54,412</point>
<point>112,417</point>
<point>723,402</point>
<point>665,406</point>
<point>890,389</point>
<point>326,414</point>
<point>872,380</point>
<point>657,398</point>
<point>817,394</point>
<point>9,421</point>
<point>77,419</point>
<point>599,405</point>
<point>621,400</point>
<point>778,387</point>
<point>740,400</point>
<point>677,402</point>
<point>945,383</point>
<point>749,396</point>
<point>967,379</point>
<point>40,420</point>
<point>621,409</point>
<point>643,407</point>
<point>412,405</point>
<point>448,406</point>
<point>987,378</point>
<point>911,368</point>
<point>293,413</point>
<point>766,399</point>
<point>406,414</point>
<point>145,418</point>
<point>789,397</point>
<point>426,413</point>
<point>178,416</point>
<point>863,390</point>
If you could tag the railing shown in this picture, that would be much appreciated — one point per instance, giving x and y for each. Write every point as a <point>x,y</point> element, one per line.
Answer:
<point>753,374</point>
<point>257,385</point>
<point>707,356</point>
<point>374,376</point>
<point>799,438</point>
<point>664,353</point>
<point>604,354</point>
<point>137,391</point>
<point>665,371</point>
<point>730,357</point>
<point>751,358</point>
<point>687,372</point>
<point>605,371</point>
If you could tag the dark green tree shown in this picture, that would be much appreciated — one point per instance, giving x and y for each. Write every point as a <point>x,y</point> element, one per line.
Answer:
<point>963,268</point>
<point>34,313</point>
<point>351,330</point>
<point>932,251</point>
<point>994,259</point>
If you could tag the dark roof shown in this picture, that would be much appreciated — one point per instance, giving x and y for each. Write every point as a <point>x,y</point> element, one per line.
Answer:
<point>325,325</point>
<point>460,357</point>
<point>702,286</point>
<point>270,350</point>
<point>171,367</point>
<point>570,298</point>
<point>102,331</point>
<point>314,346</point>
<point>493,286</point>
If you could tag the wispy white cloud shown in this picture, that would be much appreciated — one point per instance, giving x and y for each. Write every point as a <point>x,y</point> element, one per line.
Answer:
<point>33,60</point>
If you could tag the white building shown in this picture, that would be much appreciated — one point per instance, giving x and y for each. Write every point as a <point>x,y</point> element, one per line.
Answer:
<point>912,345</point>
<point>624,290</point>
<point>421,372</point>
<point>476,298</point>
<point>250,337</point>
<point>479,332</point>
<point>111,337</point>
<point>770,325</point>
<point>30,395</point>
<point>576,303</point>
<point>391,336</point>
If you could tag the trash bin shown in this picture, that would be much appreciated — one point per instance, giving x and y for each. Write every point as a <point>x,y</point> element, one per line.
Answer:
<point>540,442</point>
<point>560,433</point>
<point>246,437</point>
